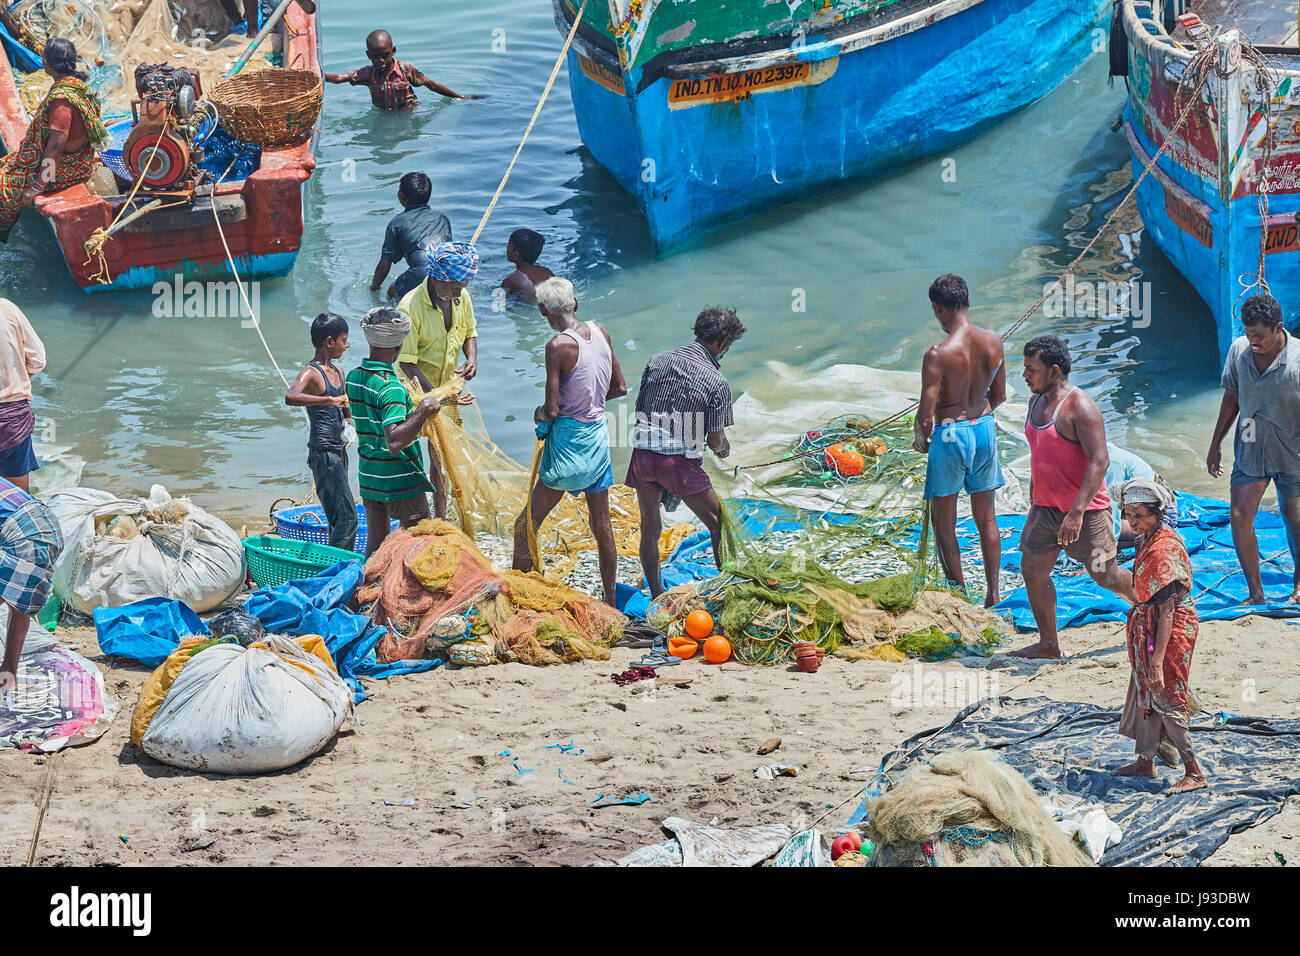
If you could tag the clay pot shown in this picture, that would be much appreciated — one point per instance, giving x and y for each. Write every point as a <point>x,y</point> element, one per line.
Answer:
<point>808,665</point>
<point>802,646</point>
<point>821,653</point>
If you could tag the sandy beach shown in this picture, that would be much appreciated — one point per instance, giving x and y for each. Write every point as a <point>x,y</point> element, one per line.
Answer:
<point>437,739</point>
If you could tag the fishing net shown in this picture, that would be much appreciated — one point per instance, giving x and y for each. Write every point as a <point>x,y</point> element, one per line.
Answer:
<point>966,809</point>
<point>489,491</point>
<point>779,589</point>
<point>114,37</point>
<point>859,579</point>
<point>433,588</point>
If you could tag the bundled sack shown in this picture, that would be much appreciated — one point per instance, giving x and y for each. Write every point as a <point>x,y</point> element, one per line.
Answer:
<point>118,551</point>
<point>222,708</point>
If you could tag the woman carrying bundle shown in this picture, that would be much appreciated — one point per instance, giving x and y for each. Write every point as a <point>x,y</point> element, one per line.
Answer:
<point>59,148</point>
<point>1161,636</point>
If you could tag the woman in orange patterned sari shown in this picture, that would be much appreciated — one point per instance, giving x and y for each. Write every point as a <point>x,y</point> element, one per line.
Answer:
<point>1161,637</point>
<point>59,148</point>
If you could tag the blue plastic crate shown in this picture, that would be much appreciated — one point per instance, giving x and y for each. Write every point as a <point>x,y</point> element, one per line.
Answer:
<point>307,523</point>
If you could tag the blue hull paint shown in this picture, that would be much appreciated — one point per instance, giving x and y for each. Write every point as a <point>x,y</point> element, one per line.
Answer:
<point>697,168</point>
<point>1216,245</point>
<point>1215,273</point>
<point>255,268</point>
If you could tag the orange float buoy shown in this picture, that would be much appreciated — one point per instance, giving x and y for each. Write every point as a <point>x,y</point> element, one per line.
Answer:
<point>699,624</point>
<point>682,647</point>
<point>850,464</point>
<point>831,457</point>
<point>717,649</point>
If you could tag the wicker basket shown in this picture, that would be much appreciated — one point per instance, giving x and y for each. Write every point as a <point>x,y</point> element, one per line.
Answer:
<point>269,107</point>
<point>273,560</point>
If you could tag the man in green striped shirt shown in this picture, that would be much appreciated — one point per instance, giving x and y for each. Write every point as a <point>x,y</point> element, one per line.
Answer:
<point>390,468</point>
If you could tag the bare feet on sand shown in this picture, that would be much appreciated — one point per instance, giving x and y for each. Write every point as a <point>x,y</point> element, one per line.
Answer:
<point>1040,651</point>
<point>992,599</point>
<point>1253,599</point>
<point>1295,596</point>
<point>1138,768</point>
<point>1193,781</point>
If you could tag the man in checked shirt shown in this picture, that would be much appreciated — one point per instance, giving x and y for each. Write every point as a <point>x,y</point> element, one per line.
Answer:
<point>684,404</point>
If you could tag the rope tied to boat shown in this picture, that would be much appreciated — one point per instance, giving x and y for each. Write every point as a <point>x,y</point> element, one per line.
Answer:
<point>559,61</point>
<point>1204,62</point>
<point>99,238</point>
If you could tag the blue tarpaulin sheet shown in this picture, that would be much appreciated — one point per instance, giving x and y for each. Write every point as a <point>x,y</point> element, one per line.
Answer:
<point>1203,523</point>
<point>148,631</point>
<point>318,605</point>
<point>1252,765</point>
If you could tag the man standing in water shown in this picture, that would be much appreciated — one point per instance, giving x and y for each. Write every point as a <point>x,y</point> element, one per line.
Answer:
<point>1261,391</point>
<point>582,374</point>
<point>963,379</point>
<point>442,327</point>
<point>1070,510</point>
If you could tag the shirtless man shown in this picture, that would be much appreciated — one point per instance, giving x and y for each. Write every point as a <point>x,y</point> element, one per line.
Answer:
<point>963,379</point>
<point>1070,509</point>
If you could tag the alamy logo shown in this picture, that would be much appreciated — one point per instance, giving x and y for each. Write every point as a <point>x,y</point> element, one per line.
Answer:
<point>74,909</point>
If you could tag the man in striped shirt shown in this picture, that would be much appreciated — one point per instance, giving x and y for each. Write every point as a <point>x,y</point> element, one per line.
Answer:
<point>389,465</point>
<point>684,404</point>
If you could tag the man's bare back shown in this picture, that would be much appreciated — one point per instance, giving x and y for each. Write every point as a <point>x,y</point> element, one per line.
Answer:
<point>972,373</point>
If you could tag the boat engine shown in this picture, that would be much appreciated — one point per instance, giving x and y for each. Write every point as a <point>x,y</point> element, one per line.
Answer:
<point>159,150</point>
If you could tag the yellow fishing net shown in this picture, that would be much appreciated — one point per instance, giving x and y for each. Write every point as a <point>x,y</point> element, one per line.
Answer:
<point>489,491</point>
<point>433,589</point>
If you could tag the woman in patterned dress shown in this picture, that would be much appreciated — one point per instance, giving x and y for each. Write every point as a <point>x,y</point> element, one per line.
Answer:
<point>1161,636</point>
<point>59,149</point>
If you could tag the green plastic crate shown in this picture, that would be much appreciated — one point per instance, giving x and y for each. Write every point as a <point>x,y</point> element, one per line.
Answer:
<point>273,560</point>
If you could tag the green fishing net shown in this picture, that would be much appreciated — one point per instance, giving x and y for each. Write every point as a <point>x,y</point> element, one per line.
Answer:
<point>849,578</point>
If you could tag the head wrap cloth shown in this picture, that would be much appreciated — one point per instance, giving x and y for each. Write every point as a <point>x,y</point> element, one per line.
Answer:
<point>1143,491</point>
<point>385,328</point>
<point>453,262</point>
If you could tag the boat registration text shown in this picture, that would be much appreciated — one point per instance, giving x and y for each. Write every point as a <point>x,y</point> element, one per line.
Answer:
<point>733,87</point>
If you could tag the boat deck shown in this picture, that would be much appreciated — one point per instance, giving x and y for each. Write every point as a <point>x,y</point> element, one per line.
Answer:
<point>1266,22</point>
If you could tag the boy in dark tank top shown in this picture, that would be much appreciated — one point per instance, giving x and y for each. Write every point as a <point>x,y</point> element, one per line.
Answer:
<point>319,389</point>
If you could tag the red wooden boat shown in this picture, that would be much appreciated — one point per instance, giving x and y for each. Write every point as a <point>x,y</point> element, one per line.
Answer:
<point>261,215</point>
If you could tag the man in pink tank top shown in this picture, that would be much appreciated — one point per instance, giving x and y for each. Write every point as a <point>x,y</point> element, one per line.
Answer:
<point>582,374</point>
<point>1070,510</point>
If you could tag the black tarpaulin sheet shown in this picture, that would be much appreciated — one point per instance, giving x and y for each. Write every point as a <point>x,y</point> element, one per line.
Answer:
<point>1252,764</point>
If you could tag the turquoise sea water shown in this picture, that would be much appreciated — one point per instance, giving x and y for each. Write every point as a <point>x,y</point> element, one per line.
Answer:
<point>194,404</point>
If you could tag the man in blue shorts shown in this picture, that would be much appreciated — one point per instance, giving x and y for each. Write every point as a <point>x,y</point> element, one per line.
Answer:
<point>963,379</point>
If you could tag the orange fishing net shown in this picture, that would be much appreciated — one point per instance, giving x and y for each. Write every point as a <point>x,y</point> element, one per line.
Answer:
<point>420,581</point>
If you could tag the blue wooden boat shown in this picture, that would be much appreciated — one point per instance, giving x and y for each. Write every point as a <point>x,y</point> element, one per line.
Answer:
<point>709,112</point>
<point>1201,203</point>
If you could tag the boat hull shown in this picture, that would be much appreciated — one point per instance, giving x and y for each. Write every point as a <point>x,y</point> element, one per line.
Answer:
<point>703,145</point>
<point>262,216</point>
<point>1200,205</point>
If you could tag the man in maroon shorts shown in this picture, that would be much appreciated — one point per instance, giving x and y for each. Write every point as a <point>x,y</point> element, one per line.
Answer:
<point>684,404</point>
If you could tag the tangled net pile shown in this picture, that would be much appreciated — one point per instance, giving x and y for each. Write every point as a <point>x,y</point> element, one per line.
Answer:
<point>966,809</point>
<point>885,451</point>
<point>432,588</point>
<point>114,37</point>
<point>849,582</point>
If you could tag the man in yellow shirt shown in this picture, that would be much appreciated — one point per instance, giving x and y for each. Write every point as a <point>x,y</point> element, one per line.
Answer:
<point>442,326</point>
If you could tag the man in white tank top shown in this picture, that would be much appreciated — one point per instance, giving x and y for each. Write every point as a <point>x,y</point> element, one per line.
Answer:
<point>582,373</point>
